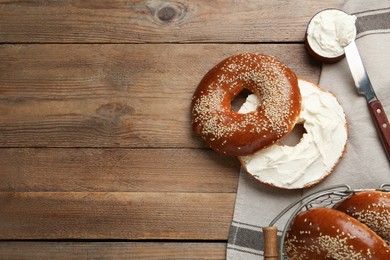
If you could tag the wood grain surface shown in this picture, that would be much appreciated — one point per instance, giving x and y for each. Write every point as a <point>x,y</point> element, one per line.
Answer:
<point>117,170</point>
<point>112,95</point>
<point>115,215</point>
<point>112,250</point>
<point>97,156</point>
<point>141,21</point>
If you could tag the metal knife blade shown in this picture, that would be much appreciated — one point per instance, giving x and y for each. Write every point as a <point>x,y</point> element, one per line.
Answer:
<point>365,88</point>
<point>359,74</point>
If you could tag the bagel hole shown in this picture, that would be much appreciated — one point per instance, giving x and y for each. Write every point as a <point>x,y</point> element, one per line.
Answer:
<point>295,136</point>
<point>240,99</point>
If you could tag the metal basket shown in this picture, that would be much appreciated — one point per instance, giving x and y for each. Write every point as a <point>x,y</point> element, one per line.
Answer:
<point>322,198</point>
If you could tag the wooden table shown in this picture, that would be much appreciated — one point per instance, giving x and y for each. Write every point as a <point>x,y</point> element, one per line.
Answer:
<point>97,157</point>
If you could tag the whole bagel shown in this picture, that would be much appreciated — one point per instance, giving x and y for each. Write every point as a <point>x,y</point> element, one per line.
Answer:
<point>324,233</point>
<point>371,208</point>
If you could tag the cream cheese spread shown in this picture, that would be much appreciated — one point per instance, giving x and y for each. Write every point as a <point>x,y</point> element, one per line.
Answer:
<point>317,153</point>
<point>330,31</point>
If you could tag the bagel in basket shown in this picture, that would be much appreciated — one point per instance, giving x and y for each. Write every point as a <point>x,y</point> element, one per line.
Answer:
<point>371,208</point>
<point>325,233</point>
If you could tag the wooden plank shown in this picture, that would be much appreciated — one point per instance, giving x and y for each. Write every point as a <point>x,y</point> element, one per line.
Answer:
<point>111,250</point>
<point>131,170</point>
<point>115,215</point>
<point>157,21</point>
<point>135,95</point>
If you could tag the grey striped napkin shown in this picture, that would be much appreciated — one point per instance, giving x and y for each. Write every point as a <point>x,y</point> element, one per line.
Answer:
<point>364,165</point>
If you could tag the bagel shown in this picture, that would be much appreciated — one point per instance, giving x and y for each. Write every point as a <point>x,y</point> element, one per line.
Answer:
<point>324,233</point>
<point>317,153</point>
<point>238,134</point>
<point>371,208</point>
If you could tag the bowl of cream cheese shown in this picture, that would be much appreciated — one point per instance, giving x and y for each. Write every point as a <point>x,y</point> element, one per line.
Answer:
<point>328,32</point>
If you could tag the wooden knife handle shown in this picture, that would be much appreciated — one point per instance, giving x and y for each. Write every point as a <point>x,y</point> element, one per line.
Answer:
<point>270,243</point>
<point>382,124</point>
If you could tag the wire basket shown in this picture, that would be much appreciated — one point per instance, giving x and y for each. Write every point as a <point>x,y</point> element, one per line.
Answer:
<point>323,198</point>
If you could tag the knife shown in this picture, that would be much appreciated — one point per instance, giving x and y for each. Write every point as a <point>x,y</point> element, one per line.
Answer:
<point>364,87</point>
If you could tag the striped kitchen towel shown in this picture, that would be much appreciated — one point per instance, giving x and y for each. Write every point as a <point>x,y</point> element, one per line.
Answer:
<point>364,164</point>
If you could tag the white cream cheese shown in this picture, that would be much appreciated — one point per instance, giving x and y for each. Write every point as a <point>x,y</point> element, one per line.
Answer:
<point>319,150</point>
<point>330,31</point>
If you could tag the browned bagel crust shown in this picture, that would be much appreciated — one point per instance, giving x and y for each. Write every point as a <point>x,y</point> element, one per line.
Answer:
<point>371,208</point>
<point>324,233</point>
<point>236,134</point>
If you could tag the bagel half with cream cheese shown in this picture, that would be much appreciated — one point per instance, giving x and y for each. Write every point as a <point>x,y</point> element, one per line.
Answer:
<point>316,154</point>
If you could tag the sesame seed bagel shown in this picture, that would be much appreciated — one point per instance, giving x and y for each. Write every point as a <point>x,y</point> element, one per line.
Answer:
<point>324,233</point>
<point>237,134</point>
<point>371,208</point>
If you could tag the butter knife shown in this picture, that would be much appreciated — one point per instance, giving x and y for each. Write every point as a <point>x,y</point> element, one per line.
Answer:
<point>365,88</point>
